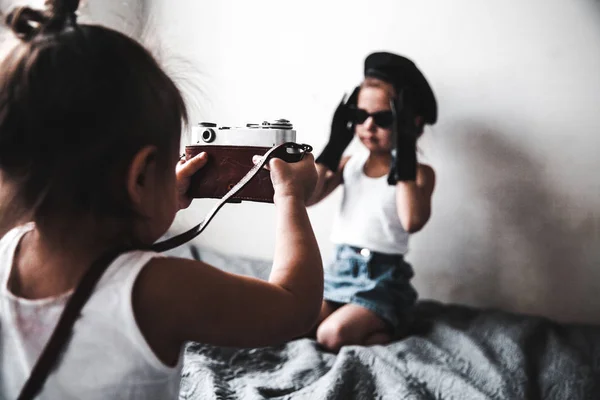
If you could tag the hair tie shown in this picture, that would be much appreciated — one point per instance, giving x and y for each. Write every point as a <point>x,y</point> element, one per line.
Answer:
<point>26,22</point>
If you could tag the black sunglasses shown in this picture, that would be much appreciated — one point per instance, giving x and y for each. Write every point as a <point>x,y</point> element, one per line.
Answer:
<point>383,119</point>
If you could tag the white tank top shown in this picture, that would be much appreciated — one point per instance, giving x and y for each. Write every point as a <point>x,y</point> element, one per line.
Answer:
<point>367,217</point>
<point>107,357</point>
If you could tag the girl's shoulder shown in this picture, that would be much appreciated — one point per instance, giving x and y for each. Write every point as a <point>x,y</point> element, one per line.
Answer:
<point>426,169</point>
<point>354,162</point>
<point>9,241</point>
<point>426,177</point>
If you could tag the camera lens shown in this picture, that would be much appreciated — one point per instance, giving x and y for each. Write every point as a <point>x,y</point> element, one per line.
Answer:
<point>208,135</point>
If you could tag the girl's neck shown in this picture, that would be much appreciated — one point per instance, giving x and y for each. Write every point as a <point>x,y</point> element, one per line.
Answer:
<point>377,164</point>
<point>50,264</point>
<point>11,214</point>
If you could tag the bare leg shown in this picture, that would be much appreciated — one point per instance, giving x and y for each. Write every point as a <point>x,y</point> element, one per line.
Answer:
<point>351,325</point>
<point>378,338</point>
<point>327,308</point>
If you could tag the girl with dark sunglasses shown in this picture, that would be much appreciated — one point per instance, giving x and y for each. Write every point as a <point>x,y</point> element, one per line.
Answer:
<point>387,194</point>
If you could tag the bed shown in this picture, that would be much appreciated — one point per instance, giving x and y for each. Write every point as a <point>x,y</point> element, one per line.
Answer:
<point>457,352</point>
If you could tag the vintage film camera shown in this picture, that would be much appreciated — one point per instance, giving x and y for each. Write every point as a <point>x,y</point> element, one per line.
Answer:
<point>230,151</point>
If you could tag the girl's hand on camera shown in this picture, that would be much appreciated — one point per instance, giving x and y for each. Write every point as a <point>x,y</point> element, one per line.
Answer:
<point>184,171</point>
<point>295,180</point>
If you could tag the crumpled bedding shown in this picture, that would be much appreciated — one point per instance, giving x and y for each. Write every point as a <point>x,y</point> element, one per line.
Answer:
<point>456,352</point>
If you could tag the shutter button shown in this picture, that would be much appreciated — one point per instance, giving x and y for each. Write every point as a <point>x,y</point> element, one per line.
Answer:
<point>365,252</point>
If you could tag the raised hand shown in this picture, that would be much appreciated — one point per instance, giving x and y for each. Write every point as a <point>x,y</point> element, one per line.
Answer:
<point>184,171</point>
<point>342,132</point>
<point>405,132</point>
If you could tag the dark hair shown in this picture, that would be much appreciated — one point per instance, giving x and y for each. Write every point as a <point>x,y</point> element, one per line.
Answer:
<point>77,102</point>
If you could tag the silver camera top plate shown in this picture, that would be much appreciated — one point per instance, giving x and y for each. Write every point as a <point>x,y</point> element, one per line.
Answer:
<point>266,134</point>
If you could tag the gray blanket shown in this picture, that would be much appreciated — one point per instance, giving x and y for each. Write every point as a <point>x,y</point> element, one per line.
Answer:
<point>461,354</point>
<point>456,353</point>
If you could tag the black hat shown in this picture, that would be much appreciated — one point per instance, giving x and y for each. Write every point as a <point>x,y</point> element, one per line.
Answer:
<point>403,74</point>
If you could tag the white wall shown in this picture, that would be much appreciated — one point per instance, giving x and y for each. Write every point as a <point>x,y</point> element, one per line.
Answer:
<point>516,216</point>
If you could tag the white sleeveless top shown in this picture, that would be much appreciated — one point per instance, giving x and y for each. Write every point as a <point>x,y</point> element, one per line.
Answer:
<point>107,357</point>
<point>368,217</point>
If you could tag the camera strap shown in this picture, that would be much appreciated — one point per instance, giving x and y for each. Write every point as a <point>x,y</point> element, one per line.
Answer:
<point>289,152</point>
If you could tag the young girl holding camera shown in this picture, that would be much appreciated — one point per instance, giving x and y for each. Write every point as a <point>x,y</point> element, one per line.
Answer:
<point>387,196</point>
<point>89,146</point>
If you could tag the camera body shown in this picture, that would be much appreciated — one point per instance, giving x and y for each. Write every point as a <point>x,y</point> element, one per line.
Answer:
<point>230,151</point>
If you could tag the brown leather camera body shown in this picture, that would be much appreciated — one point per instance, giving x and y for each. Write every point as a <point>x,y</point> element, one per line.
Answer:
<point>225,167</point>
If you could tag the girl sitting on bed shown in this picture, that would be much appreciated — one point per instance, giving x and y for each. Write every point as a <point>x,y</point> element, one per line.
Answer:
<point>89,147</point>
<point>387,196</point>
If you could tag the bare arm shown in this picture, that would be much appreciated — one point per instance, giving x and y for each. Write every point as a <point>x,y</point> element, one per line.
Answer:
<point>413,199</point>
<point>196,302</point>
<point>327,181</point>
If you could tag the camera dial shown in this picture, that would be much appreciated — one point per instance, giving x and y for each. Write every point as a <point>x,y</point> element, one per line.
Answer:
<point>208,135</point>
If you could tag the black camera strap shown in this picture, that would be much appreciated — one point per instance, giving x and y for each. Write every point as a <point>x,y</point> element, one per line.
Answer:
<point>282,151</point>
<point>290,152</point>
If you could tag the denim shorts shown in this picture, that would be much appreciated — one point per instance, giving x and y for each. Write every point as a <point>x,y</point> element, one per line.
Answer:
<point>379,282</point>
